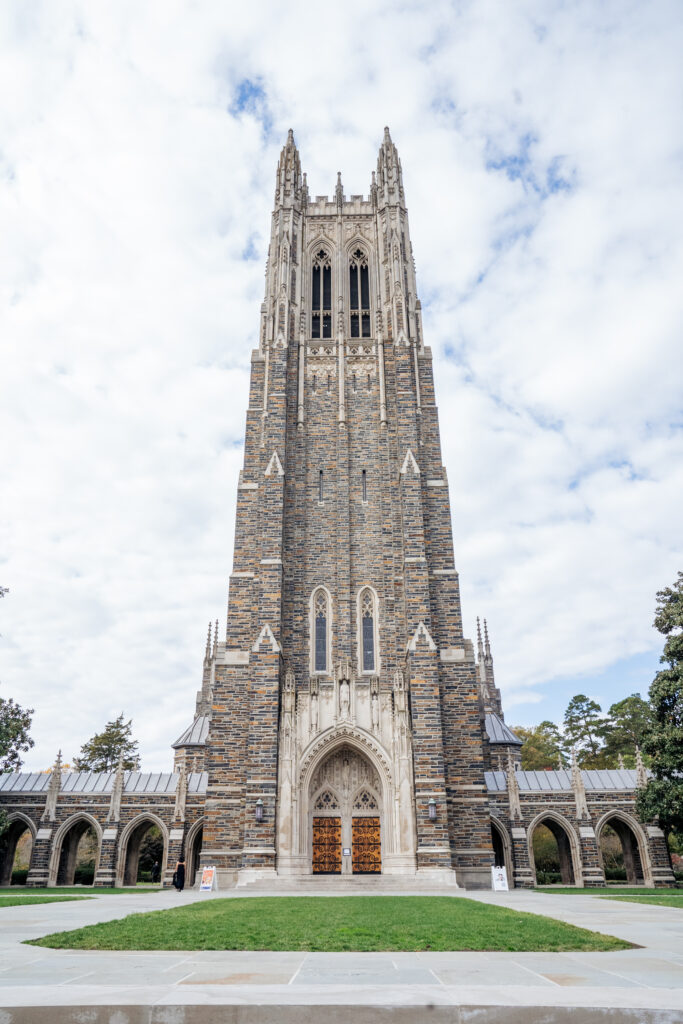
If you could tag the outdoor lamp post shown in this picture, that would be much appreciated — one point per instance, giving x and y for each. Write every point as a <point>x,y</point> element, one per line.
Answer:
<point>432,808</point>
<point>258,810</point>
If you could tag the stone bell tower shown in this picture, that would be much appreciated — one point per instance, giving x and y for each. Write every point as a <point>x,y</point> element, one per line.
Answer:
<point>345,733</point>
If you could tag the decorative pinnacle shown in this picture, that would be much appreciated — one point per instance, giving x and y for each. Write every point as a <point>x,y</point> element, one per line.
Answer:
<point>290,136</point>
<point>58,762</point>
<point>208,642</point>
<point>339,191</point>
<point>480,645</point>
<point>387,135</point>
<point>487,645</point>
<point>215,639</point>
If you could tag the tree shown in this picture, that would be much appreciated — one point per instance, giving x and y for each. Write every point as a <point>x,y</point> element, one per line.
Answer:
<point>583,729</point>
<point>628,723</point>
<point>15,723</point>
<point>542,746</point>
<point>662,799</point>
<point>102,752</point>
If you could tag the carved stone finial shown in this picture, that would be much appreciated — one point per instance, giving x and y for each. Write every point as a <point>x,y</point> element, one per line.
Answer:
<point>180,795</point>
<point>513,790</point>
<point>579,790</point>
<point>641,771</point>
<point>114,813</point>
<point>54,786</point>
<point>622,764</point>
<point>339,191</point>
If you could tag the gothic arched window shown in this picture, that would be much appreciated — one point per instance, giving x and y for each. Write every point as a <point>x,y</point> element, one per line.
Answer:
<point>321,630</point>
<point>321,295</point>
<point>359,295</point>
<point>367,630</point>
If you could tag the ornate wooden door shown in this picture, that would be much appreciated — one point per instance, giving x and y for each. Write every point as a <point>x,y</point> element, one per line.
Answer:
<point>327,852</point>
<point>366,846</point>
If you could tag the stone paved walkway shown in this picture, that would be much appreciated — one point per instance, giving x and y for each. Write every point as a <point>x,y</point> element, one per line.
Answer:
<point>645,979</point>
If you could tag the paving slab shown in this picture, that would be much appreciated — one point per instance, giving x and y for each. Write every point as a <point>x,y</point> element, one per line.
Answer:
<point>643,985</point>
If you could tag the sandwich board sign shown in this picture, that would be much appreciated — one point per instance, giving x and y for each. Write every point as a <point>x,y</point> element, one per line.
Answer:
<point>209,879</point>
<point>499,879</point>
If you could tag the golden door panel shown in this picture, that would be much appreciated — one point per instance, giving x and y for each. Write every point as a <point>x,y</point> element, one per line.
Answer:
<point>367,846</point>
<point>327,852</point>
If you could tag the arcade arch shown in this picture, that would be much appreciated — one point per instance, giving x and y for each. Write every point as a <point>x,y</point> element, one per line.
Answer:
<point>130,847</point>
<point>18,826</point>
<point>617,829</point>
<point>80,836</point>
<point>543,830</point>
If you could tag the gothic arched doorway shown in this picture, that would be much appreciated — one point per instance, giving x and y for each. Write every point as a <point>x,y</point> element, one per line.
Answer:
<point>552,852</point>
<point>345,815</point>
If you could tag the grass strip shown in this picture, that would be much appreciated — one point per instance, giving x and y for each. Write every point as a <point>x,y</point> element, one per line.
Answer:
<point>610,890</point>
<point>81,890</point>
<point>337,924</point>
<point>661,900</point>
<point>21,901</point>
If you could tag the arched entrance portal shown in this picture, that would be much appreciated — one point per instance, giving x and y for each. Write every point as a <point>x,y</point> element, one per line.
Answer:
<point>345,815</point>
<point>502,849</point>
<point>551,852</point>
<point>620,851</point>
<point>16,846</point>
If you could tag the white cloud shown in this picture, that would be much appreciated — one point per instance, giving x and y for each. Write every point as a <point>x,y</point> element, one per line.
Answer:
<point>541,147</point>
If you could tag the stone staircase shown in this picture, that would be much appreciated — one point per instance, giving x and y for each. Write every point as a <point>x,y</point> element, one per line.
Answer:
<point>326,885</point>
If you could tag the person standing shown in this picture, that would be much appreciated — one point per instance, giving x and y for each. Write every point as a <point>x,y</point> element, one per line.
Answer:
<point>156,871</point>
<point>180,874</point>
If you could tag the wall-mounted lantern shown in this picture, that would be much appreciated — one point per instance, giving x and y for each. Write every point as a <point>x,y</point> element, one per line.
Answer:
<point>432,808</point>
<point>258,810</point>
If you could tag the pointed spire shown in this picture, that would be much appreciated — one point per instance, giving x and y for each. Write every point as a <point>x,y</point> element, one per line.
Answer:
<point>480,646</point>
<point>487,645</point>
<point>304,192</point>
<point>622,763</point>
<point>215,639</point>
<point>288,179</point>
<point>389,176</point>
<point>207,653</point>
<point>339,192</point>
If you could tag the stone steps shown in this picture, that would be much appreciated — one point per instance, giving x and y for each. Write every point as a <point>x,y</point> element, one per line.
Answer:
<point>326,884</point>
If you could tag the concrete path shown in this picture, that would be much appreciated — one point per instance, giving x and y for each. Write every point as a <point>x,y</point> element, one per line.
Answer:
<point>638,985</point>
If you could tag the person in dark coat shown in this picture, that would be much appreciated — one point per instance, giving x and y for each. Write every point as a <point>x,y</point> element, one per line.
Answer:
<point>179,877</point>
<point>156,871</point>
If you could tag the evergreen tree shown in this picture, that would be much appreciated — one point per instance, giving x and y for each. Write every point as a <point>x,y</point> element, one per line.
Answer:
<point>583,729</point>
<point>662,799</point>
<point>101,753</point>
<point>628,722</point>
<point>542,746</point>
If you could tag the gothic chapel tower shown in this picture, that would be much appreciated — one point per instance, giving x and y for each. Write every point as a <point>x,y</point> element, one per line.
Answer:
<point>345,731</point>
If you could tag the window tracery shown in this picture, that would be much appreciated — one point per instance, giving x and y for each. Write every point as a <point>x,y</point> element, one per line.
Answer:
<point>321,630</point>
<point>327,801</point>
<point>321,295</point>
<point>365,801</point>
<point>367,630</point>
<point>359,295</point>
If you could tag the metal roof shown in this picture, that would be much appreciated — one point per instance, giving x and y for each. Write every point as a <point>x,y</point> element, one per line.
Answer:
<point>102,782</point>
<point>498,732</point>
<point>195,734</point>
<point>622,778</point>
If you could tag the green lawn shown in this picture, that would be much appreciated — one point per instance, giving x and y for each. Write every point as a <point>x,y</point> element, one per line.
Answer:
<point>610,890</point>
<point>362,923</point>
<point>57,890</point>
<point>21,901</point>
<point>660,900</point>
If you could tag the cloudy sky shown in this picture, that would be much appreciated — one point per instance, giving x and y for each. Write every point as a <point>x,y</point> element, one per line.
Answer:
<point>542,156</point>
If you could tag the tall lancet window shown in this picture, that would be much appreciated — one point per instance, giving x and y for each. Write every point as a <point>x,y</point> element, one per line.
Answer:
<point>321,630</point>
<point>359,295</point>
<point>321,296</point>
<point>367,630</point>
